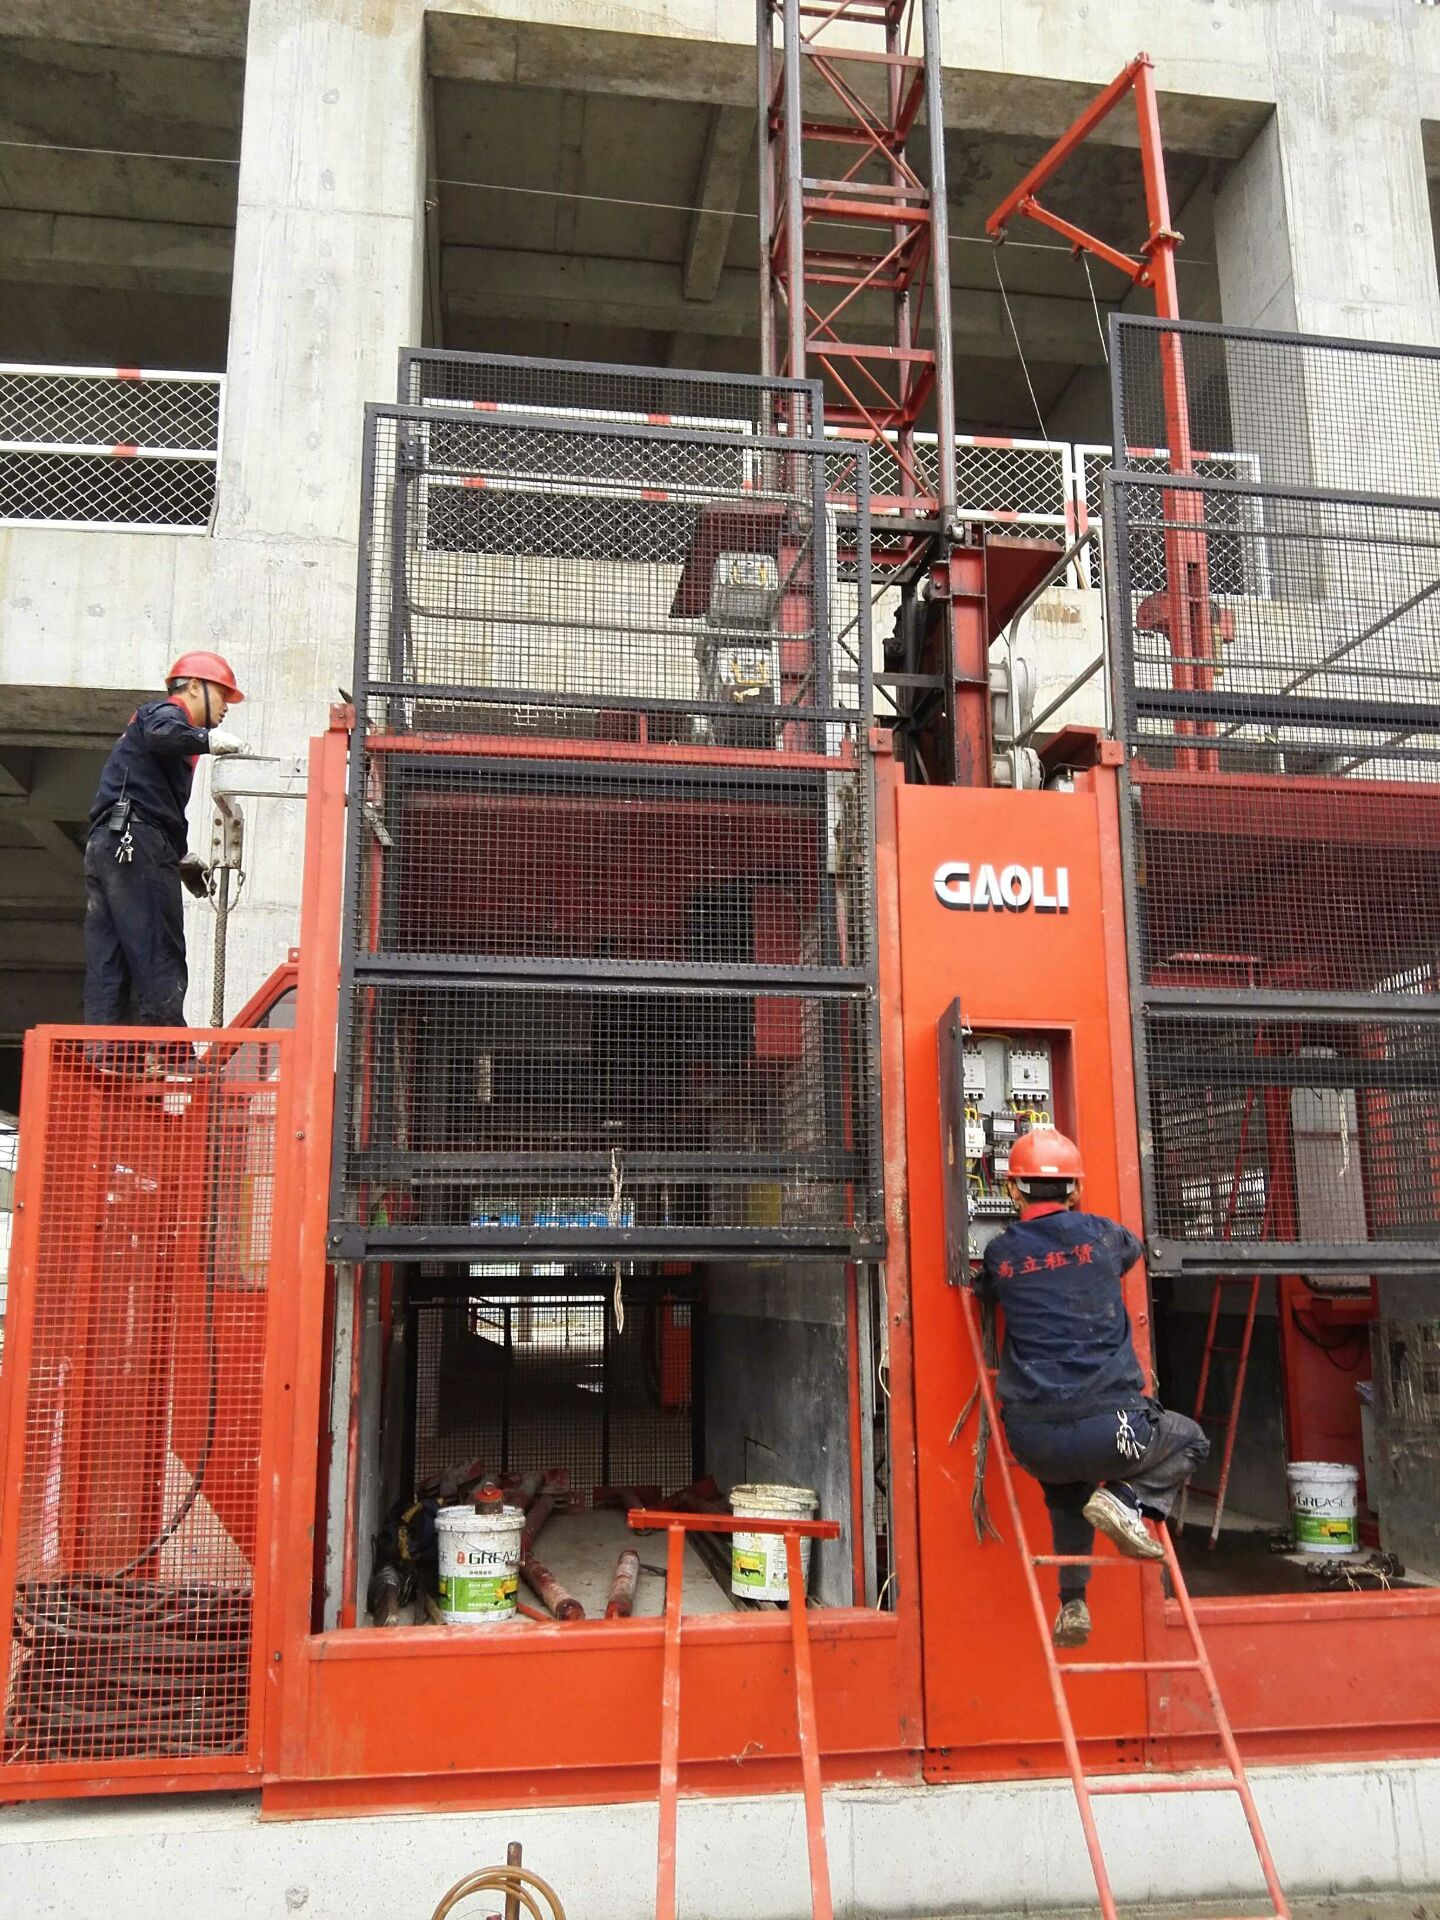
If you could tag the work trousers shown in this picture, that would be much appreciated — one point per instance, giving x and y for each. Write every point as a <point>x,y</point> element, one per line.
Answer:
<point>135,972</point>
<point>1148,1448</point>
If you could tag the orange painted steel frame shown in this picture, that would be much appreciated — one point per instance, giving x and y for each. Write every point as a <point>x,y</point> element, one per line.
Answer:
<point>413,1717</point>
<point>1190,627</point>
<point>988,1711</point>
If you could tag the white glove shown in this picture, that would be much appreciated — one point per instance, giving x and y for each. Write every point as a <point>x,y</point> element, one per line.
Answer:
<point>223,744</point>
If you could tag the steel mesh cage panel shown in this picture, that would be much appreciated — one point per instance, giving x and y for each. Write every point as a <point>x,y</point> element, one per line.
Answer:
<point>525,1383</point>
<point>515,1115</point>
<point>1277,687</point>
<point>1234,566</point>
<point>603,865</point>
<point>573,389</point>
<point>609,951</point>
<point>1294,1130</point>
<point>133,1516</point>
<point>1325,662</point>
<point>1340,416</point>
<point>618,581</point>
<point>1261,882</point>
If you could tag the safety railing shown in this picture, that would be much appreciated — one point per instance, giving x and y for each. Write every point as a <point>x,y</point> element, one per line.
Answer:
<point>102,447</point>
<point>1053,489</point>
<point>134,1496</point>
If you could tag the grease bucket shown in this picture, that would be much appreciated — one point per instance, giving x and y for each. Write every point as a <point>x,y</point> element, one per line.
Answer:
<point>757,1560</point>
<point>1323,1496</point>
<point>479,1556</point>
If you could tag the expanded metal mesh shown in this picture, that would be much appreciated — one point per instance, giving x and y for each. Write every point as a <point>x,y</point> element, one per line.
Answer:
<point>139,1344</point>
<point>1145,555</point>
<point>1006,482</point>
<point>609,582</point>
<point>1277,669</point>
<point>1340,416</point>
<point>105,447</point>
<point>1294,1130</point>
<point>607,864</point>
<point>501,1113</point>
<point>531,1384</point>
<point>572,390</point>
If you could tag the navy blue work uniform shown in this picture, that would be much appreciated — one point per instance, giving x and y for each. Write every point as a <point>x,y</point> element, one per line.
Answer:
<point>135,967</point>
<point>1072,1391</point>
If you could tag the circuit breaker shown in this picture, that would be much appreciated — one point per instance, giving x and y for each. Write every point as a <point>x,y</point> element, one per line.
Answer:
<point>1008,1082</point>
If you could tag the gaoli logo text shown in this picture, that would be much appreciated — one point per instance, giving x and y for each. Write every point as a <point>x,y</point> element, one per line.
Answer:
<point>992,889</point>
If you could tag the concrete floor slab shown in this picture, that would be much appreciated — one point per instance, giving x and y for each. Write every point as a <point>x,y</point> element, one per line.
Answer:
<point>1339,1833</point>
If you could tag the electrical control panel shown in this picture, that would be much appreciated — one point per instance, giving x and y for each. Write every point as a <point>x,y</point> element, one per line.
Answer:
<point>1008,1084</point>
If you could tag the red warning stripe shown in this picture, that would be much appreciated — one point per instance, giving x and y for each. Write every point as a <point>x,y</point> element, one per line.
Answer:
<point>474,480</point>
<point>124,450</point>
<point>128,373</point>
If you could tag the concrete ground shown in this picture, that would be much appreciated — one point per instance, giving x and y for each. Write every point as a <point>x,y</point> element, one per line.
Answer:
<point>1351,1842</point>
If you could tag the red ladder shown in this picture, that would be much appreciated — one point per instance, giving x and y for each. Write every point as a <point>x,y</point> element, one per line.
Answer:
<point>677,1525</point>
<point>1228,1423</point>
<point>1059,1672</point>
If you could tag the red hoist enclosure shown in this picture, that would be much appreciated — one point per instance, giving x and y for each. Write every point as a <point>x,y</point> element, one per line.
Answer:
<point>626,1128</point>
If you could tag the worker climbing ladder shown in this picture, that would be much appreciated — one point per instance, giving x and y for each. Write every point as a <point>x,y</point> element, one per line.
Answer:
<point>1060,1674</point>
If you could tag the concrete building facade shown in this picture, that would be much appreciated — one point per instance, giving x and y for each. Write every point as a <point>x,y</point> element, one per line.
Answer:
<point>286,193</point>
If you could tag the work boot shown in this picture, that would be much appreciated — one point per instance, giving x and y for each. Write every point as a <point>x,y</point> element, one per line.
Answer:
<point>1072,1624</point>
<point>1120,1522</point>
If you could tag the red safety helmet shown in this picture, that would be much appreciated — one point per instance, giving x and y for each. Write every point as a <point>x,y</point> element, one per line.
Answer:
<point>207,666</point>
<point>1044,1153</point>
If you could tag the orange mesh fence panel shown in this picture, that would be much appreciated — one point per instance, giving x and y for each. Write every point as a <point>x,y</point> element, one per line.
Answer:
<point>138,1311</point>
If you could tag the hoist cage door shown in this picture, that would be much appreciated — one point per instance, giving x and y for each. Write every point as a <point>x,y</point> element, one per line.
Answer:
<point>136,1522</point>
<point>1276,656</point>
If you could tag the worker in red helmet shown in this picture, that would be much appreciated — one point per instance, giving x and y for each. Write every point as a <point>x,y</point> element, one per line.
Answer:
<point>136,853</point>
<point>1074,1398</point>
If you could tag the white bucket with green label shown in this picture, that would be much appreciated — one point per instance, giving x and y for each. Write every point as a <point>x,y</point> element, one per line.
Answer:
<point>479,1557</point>
<point>757,1560</point>
<point>1323,1503</point>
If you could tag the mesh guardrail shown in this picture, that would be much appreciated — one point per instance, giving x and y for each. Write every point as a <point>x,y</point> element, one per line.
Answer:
<point>139,1310</point>
<point>103,447</point>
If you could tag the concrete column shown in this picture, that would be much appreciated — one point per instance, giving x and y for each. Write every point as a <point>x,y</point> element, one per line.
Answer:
<point>328,284</point>
<point>1324,224</point>
<point>1324,227</point>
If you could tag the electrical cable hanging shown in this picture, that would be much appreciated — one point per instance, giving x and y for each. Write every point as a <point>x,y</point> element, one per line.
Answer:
<point>1020,351</point>
<point>1095,308</point>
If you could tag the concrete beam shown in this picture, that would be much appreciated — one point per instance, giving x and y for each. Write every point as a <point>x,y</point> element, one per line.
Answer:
<point>39,999</point>
<point>48,783</point>
<point>211,27</point>
<point>58,945</point>
<point>135,255</point>
<point>494,284</point>
<point>1019,77</point>
<point>723,176</point>
<point>30,879</point>
<point>53,840</point>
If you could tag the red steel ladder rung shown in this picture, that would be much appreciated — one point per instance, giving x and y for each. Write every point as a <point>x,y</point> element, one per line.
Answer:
<point>1237,1781</point>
